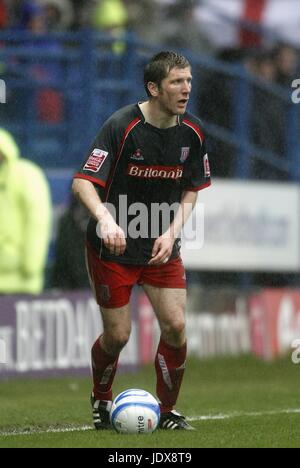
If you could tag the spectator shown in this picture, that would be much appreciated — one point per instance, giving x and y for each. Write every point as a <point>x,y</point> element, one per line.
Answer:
<point>81,14</point>
<point>69,270</point>
<point>25,213</point>
<point>59,14</point>
<point>267,116</point>
<point>287,62</point>
<point>48,101</point>
<point>215,107</point>
<point>152,29</point>
<point>3,15</point>
<point>110,16</point>
<point>180,29</point>
<point>25,14</point>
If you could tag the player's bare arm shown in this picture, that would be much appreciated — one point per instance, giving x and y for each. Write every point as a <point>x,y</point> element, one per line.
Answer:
<point>163,246</point>
<point>113,236</point>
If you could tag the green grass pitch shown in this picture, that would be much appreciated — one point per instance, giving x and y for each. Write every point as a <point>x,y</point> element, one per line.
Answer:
<point>232,402</point>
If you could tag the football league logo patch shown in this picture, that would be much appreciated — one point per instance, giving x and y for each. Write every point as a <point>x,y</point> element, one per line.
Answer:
<point>96,160</point>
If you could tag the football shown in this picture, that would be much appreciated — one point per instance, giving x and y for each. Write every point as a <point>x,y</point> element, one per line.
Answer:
<point>135,411</point>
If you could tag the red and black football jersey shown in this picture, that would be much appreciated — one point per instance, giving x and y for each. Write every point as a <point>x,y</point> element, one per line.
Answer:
<point>138,167</point>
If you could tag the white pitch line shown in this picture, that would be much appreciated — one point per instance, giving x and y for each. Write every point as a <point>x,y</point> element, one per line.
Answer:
<point>210,417</point>
<point>53,430</point>
<point>239,415</point>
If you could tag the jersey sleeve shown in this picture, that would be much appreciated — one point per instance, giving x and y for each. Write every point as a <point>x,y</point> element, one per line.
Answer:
<point>197,169</point>
<point>101,156</point>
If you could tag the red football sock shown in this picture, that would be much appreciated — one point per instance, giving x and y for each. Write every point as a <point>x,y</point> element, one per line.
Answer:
<point>104,369</point>
<point>170,366</point>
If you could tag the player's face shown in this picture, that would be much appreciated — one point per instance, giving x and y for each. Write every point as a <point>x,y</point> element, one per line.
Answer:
<point>174,91</point>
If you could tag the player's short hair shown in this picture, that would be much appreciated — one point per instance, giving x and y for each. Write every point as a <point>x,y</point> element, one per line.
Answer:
<point>160,66</point>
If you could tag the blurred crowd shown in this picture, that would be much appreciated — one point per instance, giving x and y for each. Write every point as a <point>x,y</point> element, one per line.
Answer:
<point>272,71</point>
<point>174,23</point>
<point>63,15</point>
<point>199,25</point>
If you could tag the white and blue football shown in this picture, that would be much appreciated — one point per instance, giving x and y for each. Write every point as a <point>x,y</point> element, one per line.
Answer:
<point>135,411</point>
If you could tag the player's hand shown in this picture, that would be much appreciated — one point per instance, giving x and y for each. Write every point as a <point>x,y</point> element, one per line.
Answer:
<point>162,250</point>
<point>113,236</point>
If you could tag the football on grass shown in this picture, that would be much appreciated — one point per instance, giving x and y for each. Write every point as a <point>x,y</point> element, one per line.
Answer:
<point>135,411</point>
